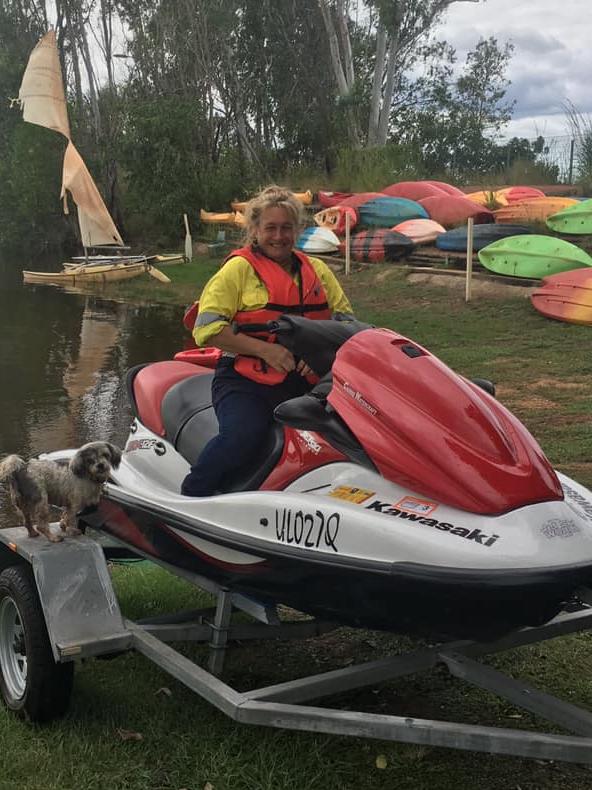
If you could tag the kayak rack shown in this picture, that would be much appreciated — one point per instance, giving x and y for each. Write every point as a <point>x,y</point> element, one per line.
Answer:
<point>82,618</point>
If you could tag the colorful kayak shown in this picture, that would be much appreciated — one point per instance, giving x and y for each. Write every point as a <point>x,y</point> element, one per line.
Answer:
<point>447,188</point>
<point>359,198</point>
<point>384,212</point>
<point>222,218</point>
<point>566,297</point>
<point>574,219</point>
<point>331,199</point>
<point>487,198</point>
<point>516,194</point>
<point>533,256</point>
<point>335,218</point>
<point>420,231</point>
<point>451,210</point>
<point>317,240</point>
<point>533,209</point>
<point>374,246</point>
<point>456,240</point>
<point>413,190</point>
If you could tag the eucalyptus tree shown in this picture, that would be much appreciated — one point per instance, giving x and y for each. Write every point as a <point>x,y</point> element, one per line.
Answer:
<point>397,28</point>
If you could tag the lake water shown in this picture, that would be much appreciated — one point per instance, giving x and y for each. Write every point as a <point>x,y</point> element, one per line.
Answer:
<point>63,358</point>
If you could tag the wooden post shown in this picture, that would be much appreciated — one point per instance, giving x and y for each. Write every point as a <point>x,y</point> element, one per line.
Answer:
<point>347,244</point>
<point>469,259</point>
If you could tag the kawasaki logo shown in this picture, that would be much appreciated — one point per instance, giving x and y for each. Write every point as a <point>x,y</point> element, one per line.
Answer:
<point>468,534</point>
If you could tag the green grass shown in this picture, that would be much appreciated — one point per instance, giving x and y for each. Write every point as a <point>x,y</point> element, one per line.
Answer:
<point>543,372</point>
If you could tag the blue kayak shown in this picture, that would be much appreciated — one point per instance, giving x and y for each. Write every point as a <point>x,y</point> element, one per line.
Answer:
<point>456,240</point>
<point>385,212</point>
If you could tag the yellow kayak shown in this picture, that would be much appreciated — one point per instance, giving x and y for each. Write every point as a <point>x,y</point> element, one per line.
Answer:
<point>487,197</point>
<point>222,218</point>
<point>304,197</point>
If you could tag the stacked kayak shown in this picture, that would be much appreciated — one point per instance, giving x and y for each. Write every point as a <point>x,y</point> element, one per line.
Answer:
<point>455,240</point>
<point>444,187</point>
<point>331,199</point>
<point>516,194</point>
<point>533,256</point>
<point>451,210</point>
<point>317,240</point>
<point>420,231</point>
<point>335,218</point>
<point>487,198</point>
<point>374,246</point>
<point>384,212</point>
<point>575,219</point>
<point>413,190</point>
<point>224,218</point>
<point>533,209</point>
<point>566,297</point>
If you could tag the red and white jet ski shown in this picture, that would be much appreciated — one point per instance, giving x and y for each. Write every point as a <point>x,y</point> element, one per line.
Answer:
<point>396,495</point>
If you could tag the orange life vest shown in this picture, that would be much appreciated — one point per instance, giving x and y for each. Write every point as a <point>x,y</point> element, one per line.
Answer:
<point>306,298</point>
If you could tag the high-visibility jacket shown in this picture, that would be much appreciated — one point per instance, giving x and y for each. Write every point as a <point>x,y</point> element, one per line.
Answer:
<point>306,297</point>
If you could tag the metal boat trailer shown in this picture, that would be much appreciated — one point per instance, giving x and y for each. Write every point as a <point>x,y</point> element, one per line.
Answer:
<point>75,614</point>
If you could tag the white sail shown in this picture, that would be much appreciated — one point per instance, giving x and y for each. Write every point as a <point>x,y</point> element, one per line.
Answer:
<point>96,226</point>
<point>43,101</point>
<point>41,94</point>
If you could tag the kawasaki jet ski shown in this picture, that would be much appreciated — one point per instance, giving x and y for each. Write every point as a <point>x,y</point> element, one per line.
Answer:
<point>395,495</point>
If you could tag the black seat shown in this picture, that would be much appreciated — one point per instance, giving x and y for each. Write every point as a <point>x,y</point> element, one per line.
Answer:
<point>190,422</point>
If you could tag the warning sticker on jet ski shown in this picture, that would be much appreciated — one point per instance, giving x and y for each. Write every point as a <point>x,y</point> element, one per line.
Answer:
<point>577,502</point>
<point>351,494</point>
<point>413,505</point>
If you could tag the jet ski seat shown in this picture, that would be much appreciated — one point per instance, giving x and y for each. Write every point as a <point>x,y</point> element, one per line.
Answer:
<point>190,422</point>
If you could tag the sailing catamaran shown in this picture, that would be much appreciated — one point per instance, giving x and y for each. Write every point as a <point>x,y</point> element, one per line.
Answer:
<point>43,102</point>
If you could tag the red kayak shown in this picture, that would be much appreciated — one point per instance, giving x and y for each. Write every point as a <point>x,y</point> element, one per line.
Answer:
<point>566,296</point>
<point>331,199</point>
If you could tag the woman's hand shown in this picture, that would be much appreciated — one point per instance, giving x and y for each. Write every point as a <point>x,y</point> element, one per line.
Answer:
<point>278,357</point>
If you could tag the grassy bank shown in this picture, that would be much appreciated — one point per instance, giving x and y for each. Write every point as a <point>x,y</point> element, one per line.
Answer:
<point>131,727</point>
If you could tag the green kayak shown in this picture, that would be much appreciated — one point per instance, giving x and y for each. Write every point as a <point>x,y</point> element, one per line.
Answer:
<point>533,256</point>
<point>575,219</point>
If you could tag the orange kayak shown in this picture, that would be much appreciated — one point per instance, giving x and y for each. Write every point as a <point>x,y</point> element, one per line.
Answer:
<point>533,209</point>
<point>566,296</point>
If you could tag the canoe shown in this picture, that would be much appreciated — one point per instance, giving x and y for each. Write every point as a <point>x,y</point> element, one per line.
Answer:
<point>413,190</point>
<point>374,246</point>
<point>533,209</point>
<point>222,218</point>
<point>331,199</point>
<point>384,212</point>
<point>451,210</point>
<point>447,188</point>
<point>334,218</point>
<point>566,297</point>
<point>98,273</point>
<point>456,240</point>
<point>420,231</point>
<point>574,219</point>
<point>533,256</point>
<point>317,240</point>
<point>516,194</point>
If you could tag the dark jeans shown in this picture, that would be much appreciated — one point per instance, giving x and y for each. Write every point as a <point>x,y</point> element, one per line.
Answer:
<point>244,410</point>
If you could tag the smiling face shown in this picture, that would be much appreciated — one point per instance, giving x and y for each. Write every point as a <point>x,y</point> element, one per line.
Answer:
<point>276,234</point>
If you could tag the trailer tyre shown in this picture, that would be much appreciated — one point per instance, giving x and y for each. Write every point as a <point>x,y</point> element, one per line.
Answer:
<point>32,684</point>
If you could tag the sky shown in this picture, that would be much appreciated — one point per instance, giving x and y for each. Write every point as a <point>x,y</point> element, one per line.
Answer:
<point>552,59</point>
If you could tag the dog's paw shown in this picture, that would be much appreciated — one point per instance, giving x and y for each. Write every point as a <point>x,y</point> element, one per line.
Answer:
<point>54,537</point>
<point>73,532</point>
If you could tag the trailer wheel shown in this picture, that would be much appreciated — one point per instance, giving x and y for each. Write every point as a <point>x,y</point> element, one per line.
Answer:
<point>32,684</point>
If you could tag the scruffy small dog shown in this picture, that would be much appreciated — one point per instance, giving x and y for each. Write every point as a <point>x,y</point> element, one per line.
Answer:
<point>37,484</point>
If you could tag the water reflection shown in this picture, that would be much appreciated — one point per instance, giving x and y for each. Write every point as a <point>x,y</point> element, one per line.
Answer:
<point>63,358</point>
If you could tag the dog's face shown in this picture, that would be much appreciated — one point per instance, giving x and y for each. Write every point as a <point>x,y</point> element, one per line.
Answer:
<point>95,460</point>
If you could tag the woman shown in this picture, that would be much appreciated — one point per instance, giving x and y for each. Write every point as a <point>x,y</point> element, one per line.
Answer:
<point>258,283</point>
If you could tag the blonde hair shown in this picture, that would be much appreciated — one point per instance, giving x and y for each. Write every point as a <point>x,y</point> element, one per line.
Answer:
<point>271,197</point>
